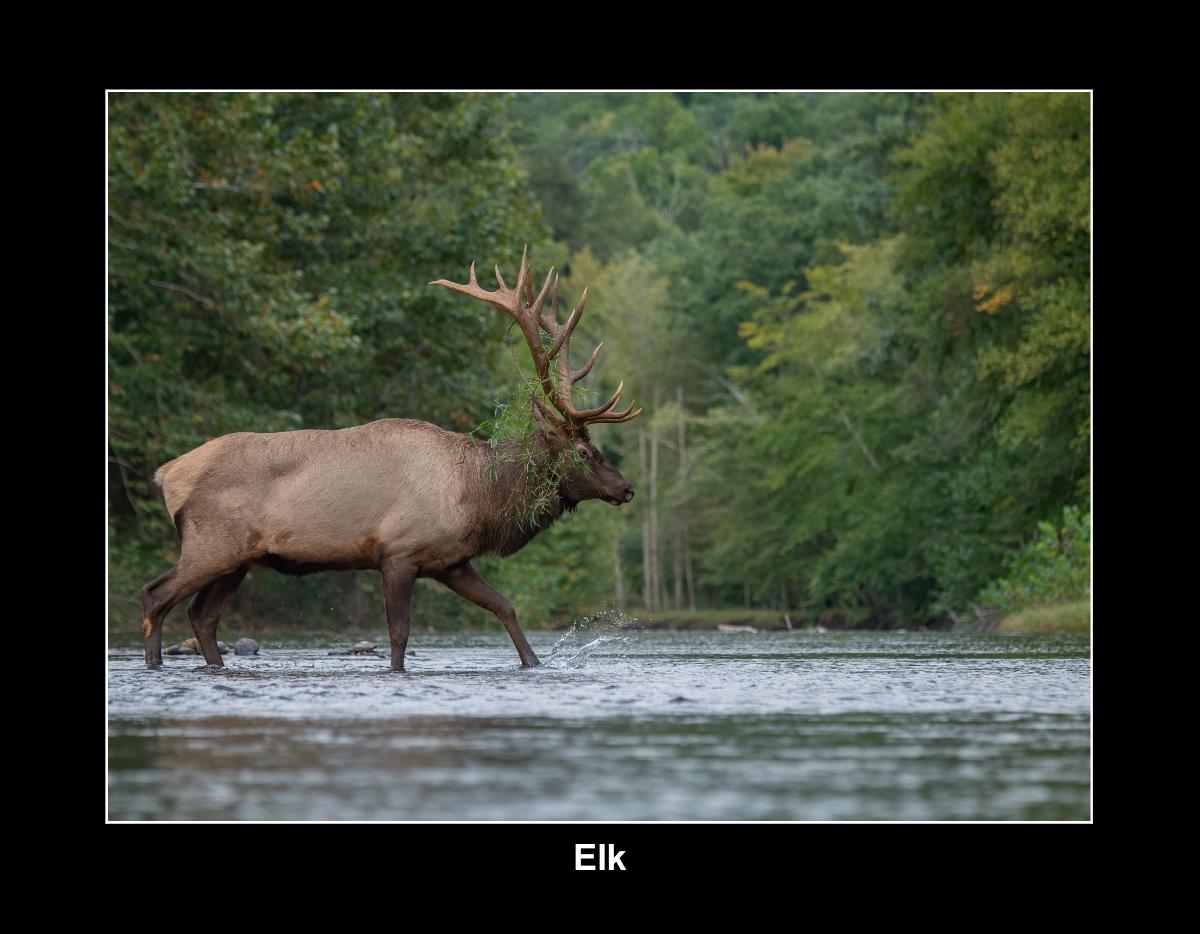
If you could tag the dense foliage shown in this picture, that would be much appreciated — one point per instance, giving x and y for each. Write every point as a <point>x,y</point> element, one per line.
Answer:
<point>860,324</point>
<point>1054,568</point>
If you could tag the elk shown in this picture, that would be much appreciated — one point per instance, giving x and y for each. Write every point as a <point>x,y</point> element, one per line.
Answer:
<point>402,497</point>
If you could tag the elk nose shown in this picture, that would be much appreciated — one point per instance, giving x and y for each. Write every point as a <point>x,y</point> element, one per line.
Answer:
<point>628,493</point>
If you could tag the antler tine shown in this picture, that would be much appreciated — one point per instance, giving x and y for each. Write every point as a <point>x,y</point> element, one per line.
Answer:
<point>611,417</point>
<point>587,367</point>
<point>536,307</point>
<point>569,377</point>
<point>550,324</point>
<point>509,301</point>
<point>503,299</point>
<point>590,414</point>
<point>563,338</point>
<point>522,275</point>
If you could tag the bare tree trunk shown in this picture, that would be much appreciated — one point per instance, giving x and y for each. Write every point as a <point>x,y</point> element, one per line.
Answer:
<point>647,574</point>
<point>691,578</point>
<point>618,572</point>
<point>677,564</point>
<point>655,551</point>
<point>681,512</point>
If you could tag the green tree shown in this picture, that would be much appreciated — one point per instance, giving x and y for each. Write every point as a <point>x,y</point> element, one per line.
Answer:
<point>268,262</point>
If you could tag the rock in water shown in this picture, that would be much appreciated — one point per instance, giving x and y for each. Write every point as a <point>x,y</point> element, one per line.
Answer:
<point>339,651</point>
<point>245,647</point>
<point>363,648</point>
<point>191,647</point>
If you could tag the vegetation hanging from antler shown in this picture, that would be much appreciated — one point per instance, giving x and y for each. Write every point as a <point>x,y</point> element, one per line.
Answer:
<point>549,394</point>
<point>510,435</point>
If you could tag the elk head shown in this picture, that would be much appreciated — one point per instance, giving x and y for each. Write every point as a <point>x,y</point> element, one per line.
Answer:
<point>562,426</point>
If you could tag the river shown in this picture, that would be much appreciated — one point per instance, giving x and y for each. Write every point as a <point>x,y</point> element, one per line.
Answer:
<point>618,724</point>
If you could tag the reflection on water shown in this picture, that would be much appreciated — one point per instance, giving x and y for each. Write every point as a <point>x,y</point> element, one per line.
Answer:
<point>617,725</point>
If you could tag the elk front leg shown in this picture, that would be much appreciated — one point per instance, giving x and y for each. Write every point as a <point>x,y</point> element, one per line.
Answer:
<point>465,581</point>
<point>398,580</point>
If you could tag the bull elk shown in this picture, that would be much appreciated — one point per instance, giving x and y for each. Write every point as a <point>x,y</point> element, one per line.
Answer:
<point>399,496</point>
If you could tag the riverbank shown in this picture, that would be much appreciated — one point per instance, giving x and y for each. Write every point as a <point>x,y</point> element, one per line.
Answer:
<point>1074,617</point>
<point>711,619</point>
<point>1065,618</point>
<point>304,632</point>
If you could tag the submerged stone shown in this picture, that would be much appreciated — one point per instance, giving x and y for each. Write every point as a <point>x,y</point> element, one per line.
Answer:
<point>191,647</point>
<point>245,646</point>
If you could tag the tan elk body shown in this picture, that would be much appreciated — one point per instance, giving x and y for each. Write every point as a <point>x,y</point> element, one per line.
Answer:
<point>399,496</point>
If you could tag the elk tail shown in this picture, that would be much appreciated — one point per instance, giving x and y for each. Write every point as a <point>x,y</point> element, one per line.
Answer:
<point>171,499</point>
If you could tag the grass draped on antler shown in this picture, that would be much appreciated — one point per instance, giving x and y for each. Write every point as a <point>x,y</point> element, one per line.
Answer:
<point>512,435</point>
<point>545,401</point>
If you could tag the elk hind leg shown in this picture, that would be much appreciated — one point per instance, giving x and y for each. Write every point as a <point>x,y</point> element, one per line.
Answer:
<point>205,610</point>
<point>152,621</point>
<point>465,581</point>
<point>166,592</point>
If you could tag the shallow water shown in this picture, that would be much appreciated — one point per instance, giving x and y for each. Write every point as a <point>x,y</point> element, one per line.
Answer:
<point>616,725</point>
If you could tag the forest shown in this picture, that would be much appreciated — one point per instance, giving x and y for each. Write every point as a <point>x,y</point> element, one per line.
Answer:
<point>859,325</point>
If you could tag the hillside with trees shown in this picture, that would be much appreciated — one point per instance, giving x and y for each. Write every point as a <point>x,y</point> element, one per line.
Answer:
<point>859,325</point>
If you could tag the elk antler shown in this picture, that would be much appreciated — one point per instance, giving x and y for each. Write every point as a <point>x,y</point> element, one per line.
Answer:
<point>529,318</point>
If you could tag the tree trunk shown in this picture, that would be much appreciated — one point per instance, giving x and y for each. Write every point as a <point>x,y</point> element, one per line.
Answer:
<point>677,564</point>
<point>655,551</point>
<point>681,511</point>
<point>691,578</point>
<point>618,572</point>
<point>647,575</point>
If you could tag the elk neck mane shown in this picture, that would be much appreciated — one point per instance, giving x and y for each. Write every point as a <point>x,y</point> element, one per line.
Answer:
<point>501,496</point>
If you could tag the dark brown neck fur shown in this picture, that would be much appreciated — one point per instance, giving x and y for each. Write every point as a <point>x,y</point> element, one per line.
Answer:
<point>501,496</point>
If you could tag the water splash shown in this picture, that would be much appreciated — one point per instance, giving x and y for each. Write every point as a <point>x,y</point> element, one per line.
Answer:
<point>586,635</point>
